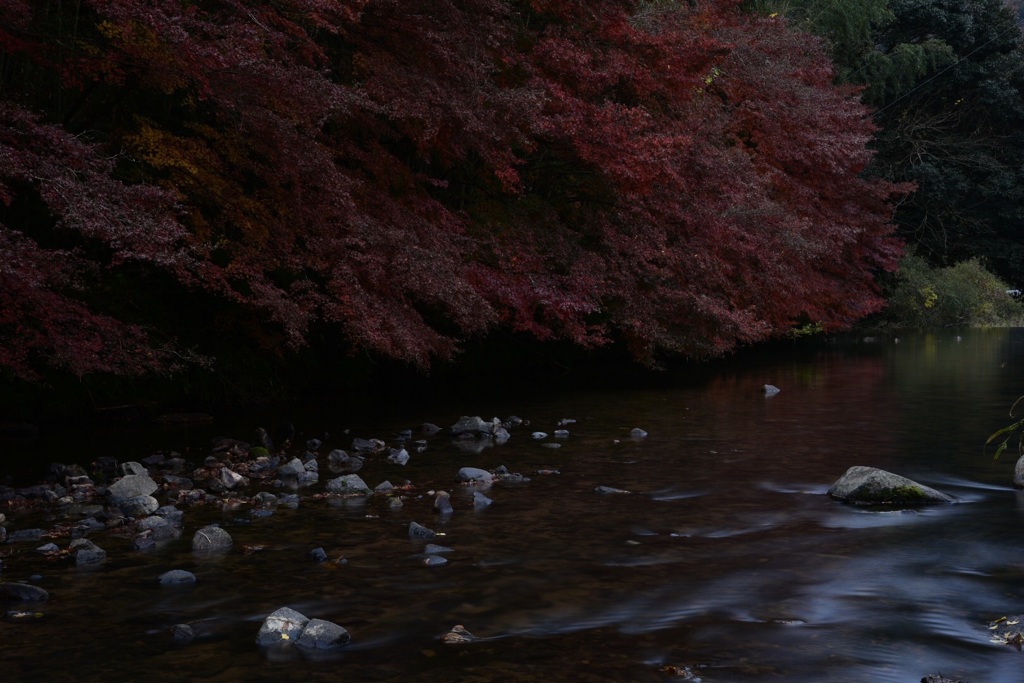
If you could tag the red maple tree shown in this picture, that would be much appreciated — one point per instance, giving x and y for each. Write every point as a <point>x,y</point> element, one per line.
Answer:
<point>684,177</point>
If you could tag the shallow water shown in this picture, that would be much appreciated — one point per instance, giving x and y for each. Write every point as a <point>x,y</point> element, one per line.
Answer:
<point>727,558</point>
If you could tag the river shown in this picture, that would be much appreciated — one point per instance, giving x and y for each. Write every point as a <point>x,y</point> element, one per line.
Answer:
<point>726,560</point>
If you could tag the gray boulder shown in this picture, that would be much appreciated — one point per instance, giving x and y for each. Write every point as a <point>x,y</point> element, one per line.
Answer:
<point>139,506</point>
<point>322,635</point>
<point>472,426</point>
<point>349,485</point>
<point>870,486</point>
<point>130,486</point>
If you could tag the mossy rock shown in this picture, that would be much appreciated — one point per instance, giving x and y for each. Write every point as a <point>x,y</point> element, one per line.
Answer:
<point>870,486</point>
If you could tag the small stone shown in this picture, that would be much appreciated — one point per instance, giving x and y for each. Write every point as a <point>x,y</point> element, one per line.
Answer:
<point>318,555</point>
<point>177,577</point>
<point>609,490</point>
<point>182,634</point>
<point>561,433</point>
<point>434,561</point>
<point>475,475</point>
<point>637,433</point>
<point>398,456</point>
<point>770,390</point>
<point>265,499</point>
<point>144,541</point>
<point>480,501</point>
<point>338,458</point>
<point>133,467</point>
<point>292,468</point>
<point>417,530</point>
<point>159,528</point>
<point>443,503</point>
<point>457,636</point>
<point>539,435</point>
<point>86,552</point>
<point>48,549</point>
<point>211,539</point>
<point>231,479</point>
<point>284,624</point>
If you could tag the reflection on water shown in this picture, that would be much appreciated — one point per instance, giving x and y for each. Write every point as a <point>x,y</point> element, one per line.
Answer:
<point>726,557</point>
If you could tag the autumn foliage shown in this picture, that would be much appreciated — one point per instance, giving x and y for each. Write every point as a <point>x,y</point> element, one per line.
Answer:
<point>679,177</point>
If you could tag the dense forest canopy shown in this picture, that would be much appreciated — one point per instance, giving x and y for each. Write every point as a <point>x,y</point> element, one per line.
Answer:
<point>945,79</point>
<point>178,178</point>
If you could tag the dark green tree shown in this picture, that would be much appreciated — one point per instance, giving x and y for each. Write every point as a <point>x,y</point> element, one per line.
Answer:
<point>945,78</point>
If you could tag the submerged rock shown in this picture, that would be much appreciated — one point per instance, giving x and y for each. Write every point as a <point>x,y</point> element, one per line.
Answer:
<point>770,390</point>
<point>177,577</point>
<point>22,591</point>
<point>871,486</point>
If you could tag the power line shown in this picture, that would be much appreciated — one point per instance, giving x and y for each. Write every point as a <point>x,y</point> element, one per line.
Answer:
<point>951,66</point>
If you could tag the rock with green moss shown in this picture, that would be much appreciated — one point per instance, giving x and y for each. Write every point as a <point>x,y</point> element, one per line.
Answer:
<point>870,486</point>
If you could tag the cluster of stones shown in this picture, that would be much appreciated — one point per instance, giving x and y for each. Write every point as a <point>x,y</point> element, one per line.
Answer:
<point>144,504</point>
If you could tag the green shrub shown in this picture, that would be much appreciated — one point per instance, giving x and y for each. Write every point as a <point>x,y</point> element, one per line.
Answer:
<point>965,294</point>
